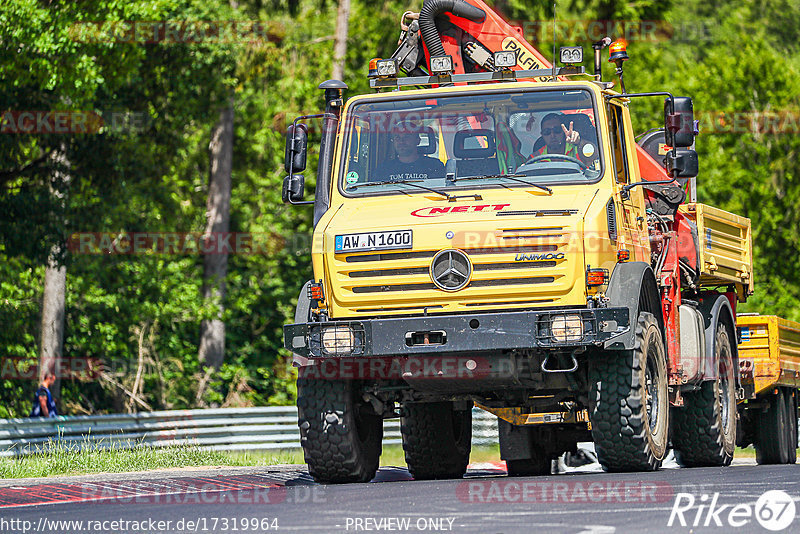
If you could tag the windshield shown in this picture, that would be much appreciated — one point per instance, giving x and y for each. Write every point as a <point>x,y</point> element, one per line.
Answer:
<point>545,137</point>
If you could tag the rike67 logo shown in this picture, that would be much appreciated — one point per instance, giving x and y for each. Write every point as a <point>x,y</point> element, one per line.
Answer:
<point>774,510</point>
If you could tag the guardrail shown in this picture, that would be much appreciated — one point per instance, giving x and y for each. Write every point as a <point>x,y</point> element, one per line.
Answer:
<point>229,429</point>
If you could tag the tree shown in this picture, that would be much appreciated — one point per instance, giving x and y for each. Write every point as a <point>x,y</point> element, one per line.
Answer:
<point>215,265</point>
<point>340,46</point>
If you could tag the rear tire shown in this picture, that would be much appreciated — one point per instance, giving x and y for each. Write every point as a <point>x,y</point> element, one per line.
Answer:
<point>341,435</point>
<point>629,402</point>
<point>705,428</point>
<point>772,433</point>
<point>791,408</point>
<point>436,439</point>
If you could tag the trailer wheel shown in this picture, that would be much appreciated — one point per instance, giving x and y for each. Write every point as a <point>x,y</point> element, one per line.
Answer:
<point>705,428</point>
<point>772,432</point>
<point>436,439</point>
<point>630,406</point>
<point>341,435</point>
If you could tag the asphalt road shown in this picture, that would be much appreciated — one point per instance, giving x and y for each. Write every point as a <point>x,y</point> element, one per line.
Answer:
<point>486,501</point>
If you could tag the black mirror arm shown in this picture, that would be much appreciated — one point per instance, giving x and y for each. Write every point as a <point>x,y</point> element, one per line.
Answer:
<point>291,161</point>
<point>626,195</point>
<point>657,93</point>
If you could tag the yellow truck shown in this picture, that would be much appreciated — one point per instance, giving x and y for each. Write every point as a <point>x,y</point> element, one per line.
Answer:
<point>769,366</point>
<point>491,233</point>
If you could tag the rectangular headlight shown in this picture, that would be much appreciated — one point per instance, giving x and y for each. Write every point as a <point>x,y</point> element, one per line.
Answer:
<point>338,340</point>
<point>571,55</point>
<point>506,59</point>
<point>566,328</point>
<point>387,68</point>
<point>441,65</point>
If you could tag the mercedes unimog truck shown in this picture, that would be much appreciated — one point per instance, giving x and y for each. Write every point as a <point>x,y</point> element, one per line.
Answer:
<point>488,231</point>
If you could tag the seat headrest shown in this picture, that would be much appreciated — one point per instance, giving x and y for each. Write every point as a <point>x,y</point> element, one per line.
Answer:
<point>428,147</point>
<point>467,144</point>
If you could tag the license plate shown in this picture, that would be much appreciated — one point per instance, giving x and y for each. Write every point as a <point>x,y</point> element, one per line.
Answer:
<point>373,241</point>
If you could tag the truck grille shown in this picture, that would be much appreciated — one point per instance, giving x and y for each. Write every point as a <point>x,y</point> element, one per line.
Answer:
<point>528,265</point>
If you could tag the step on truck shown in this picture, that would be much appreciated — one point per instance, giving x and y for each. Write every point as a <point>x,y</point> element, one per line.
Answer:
<point>488,231</point>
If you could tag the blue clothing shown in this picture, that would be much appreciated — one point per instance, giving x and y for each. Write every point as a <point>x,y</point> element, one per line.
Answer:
<point>37,407</point>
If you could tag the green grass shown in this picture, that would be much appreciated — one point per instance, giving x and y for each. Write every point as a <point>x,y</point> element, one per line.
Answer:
<point>62,460</point>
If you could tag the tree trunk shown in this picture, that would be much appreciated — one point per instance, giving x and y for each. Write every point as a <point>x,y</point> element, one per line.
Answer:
<point>55,293</point>
<point>340,48</point>
<point>215,264</point>
<point>53,308</point>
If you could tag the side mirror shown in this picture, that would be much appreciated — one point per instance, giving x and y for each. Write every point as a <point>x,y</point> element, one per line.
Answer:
<point>682,163</point>
<point>293,188</point>
<point>296,148</point>
<point>679,126</point>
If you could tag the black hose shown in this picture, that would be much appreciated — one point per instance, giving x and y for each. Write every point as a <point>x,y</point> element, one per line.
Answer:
<point>432,8</point>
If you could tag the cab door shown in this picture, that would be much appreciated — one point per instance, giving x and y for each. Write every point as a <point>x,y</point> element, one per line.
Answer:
<point>631,216</point>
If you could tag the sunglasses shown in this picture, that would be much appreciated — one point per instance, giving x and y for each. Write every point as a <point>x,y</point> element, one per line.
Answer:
<point>548,131</point>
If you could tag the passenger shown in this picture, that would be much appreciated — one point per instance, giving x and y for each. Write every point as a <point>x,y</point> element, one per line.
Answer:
<point>409,164</point>
<point>558,140</point>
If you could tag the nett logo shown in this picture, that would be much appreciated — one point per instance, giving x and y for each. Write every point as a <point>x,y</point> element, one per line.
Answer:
<point>436,211</point>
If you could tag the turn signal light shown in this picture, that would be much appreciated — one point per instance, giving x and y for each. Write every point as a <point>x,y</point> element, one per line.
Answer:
<point>373,68</point>
<point>315,292</point>
<point>596,277</point>
<point>623,254</point>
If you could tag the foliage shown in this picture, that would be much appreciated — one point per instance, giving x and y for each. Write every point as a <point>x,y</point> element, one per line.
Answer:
<point>142,311</point>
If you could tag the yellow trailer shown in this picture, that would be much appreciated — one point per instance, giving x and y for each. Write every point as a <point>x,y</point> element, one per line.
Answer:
<point>769,367</point>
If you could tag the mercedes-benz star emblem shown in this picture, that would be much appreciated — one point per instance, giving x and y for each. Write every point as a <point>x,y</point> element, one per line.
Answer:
<point>451,270</point>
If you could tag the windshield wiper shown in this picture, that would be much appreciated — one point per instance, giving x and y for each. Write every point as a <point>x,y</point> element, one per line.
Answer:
<point>514,177</point>
<point>403,182</point>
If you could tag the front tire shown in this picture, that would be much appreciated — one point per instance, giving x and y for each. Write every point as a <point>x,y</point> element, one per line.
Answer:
<point>340,434</point>
<point>630,406</point>
<point>705,428</point>
<point>436,439</point>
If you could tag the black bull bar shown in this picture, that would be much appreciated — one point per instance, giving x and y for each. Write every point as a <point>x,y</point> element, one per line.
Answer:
<point>451,334</point>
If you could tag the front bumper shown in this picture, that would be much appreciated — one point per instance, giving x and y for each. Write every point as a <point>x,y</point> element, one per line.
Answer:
<point>469,333</point>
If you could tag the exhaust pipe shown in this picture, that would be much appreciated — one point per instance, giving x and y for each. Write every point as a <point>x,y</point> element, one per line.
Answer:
<point>433,8</point>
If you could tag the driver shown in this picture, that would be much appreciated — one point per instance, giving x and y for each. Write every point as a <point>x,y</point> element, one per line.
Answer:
<point>409,163</point>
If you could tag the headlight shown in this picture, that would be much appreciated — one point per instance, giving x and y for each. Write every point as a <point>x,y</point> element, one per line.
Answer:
<point>567,328</point>
<point>505,59</point>
<point>338,340</point>
<point>387,67</point>
<point>441,65</point>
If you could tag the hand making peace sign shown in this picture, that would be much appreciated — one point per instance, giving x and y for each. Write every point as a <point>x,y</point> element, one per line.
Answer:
<point>572,136</point>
